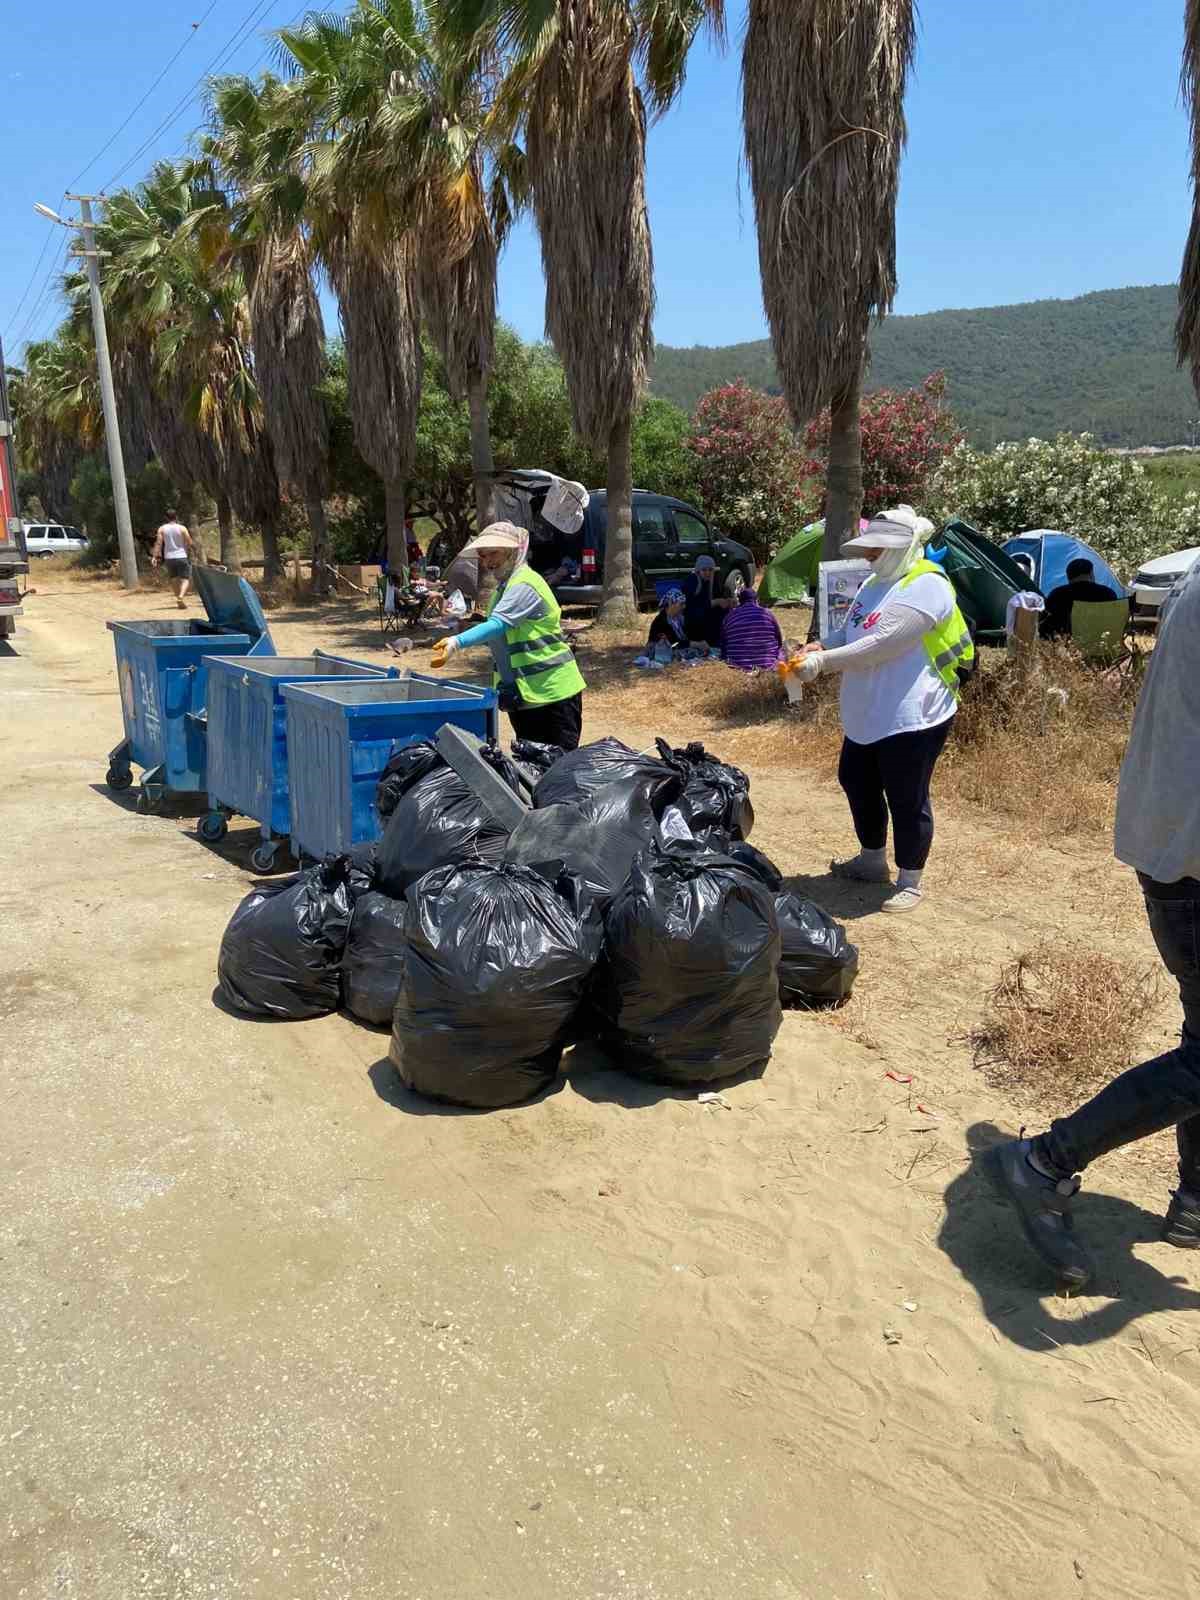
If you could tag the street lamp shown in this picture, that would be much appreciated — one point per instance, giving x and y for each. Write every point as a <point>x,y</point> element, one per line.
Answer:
<point>108,398</point>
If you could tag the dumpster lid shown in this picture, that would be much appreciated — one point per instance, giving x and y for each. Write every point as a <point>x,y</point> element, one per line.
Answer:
<point>231,603</point>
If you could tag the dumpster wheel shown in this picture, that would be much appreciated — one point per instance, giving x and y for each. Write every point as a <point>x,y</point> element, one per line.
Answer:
<point>262,857</point>
<point>212,827</point>
<point>149,804</point>
<point>118,778</point>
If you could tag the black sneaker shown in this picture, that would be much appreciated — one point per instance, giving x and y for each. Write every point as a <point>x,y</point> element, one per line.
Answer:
<point>1044,1207</point>
<point>1181,1226</point>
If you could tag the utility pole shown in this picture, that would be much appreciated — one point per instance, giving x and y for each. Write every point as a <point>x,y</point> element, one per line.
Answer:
<point>108,398</point>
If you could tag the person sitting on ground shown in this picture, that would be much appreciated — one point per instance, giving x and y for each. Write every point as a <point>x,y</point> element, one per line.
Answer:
<point>703,611</point>
<point>566,572</point>
<point>1080,585</point>
<point>667,627</point>
<point>173,547</point>
<point>750,637</point>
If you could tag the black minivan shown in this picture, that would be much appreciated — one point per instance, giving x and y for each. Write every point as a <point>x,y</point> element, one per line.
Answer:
<point>668,535</point>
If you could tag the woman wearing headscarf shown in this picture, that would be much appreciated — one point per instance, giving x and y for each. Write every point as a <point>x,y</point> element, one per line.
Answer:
<point>667,627</point>
<point>899,656</point>
<point>704,610</point>
<point>540,685</point>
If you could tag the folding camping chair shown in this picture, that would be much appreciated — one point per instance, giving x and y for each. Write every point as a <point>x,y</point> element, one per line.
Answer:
<point>1099,631</point>
<point>389,621</point>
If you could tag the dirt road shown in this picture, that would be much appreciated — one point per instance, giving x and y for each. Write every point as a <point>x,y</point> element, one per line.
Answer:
<point>273,1328</point>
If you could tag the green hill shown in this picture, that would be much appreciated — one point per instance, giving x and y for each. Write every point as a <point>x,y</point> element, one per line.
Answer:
<point>1104,363</point>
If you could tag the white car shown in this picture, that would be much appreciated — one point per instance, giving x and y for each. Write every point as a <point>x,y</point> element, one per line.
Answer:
<point>53,539</point>
<point>1156,579</point>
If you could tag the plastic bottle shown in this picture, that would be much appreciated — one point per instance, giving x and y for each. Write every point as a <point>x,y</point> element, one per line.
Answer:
<point>789,673</point>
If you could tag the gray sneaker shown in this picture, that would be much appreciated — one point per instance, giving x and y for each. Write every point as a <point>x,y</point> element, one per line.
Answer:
<point>1044,1207</point>
<point>860,871</point>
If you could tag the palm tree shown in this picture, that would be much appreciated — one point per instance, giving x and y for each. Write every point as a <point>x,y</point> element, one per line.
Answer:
<point>426,143</point>
<point>252,148</point>
<point>181,326</point>
<point>366,248</point>
<point>823,106</point>
<point>571,87</point>
<point>56,409</point>
<point>1187,326</point>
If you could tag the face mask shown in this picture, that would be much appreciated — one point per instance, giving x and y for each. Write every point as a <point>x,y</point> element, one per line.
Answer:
<point>892,564</point>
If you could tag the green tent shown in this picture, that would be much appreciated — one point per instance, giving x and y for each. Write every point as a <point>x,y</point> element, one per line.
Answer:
<point>791,574</point>
<point>984,577</point>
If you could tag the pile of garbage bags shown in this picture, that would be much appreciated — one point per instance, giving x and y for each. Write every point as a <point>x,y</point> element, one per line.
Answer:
<point>625,905</point>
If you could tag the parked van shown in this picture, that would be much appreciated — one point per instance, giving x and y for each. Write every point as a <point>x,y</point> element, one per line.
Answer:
<point>53,539</point>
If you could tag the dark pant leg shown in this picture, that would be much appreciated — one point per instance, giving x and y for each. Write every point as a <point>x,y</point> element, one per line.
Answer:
<point>560,723</point>
<point>1161,1092</point>
<point>858,774</point>
<point>906,763</point>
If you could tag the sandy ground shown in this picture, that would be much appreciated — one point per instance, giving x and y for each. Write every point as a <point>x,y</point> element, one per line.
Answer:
<point>273,1328</point>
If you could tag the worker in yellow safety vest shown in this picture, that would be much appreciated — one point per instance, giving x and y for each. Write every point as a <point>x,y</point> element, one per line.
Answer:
<point>540,684</point>
<point>902,654</point>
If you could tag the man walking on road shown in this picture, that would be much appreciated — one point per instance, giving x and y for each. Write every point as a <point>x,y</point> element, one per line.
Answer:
<point>1157,833</point>
<point>173,546</point>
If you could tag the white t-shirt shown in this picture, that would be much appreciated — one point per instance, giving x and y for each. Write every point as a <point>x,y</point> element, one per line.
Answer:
<point>174,543</point>
<point>904,695</point>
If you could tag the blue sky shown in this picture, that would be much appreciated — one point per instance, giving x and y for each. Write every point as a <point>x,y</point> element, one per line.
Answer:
<point>1047,153</point>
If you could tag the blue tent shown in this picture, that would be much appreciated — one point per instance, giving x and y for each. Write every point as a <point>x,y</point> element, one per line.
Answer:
<point>1050,553</point>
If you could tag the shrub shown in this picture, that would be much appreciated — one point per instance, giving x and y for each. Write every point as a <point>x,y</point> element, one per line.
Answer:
<point>1069,484</point>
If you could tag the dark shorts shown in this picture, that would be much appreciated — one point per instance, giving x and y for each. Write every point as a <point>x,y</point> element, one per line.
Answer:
<point>178,567</point>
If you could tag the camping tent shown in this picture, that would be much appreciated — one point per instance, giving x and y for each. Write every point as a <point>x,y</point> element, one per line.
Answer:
<point>984,577</point>
<point>791,574</point>
<point>1050,552</point>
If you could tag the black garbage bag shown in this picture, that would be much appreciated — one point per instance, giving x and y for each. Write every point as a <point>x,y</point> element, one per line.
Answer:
<point>406,766</point>
<point>282,951</point>
<point>715,794</point>
<point>687,990</point>
<point>495,968</point>
<point>505,766</point>
<point>594,844</point>
<point>437,822</point>
<point>374,959</point>
<point>584,773</point>
<point>674,829</point>
<point>362,868</point>
<point>818,962</point>
<point>540,757</point>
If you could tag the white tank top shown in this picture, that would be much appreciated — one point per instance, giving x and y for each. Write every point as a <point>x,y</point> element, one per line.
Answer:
<point>174,543</point>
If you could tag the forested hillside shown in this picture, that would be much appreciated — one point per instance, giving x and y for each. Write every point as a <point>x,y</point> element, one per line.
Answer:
<point>1103,363</point>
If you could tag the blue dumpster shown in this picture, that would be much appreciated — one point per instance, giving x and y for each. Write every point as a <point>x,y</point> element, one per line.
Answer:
<point>341,735</point>
<point>247,738</point>
<point>162,674</point>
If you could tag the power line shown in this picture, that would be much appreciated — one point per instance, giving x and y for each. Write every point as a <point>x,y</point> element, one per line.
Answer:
<point>39,305</point>
<point>191,34</point>
<point>25,295</point>
<point>257,13</point>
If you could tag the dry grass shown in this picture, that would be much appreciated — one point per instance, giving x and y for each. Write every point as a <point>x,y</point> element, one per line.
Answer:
<point>1061,1020</point>
<point>1021,751</point>
<point>1042,751</point>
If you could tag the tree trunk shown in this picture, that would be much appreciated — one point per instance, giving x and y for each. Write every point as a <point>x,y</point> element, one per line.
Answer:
<point>482,461</point>
<point>272,563</point>
<point>619,605</point>
<point>320,545</point>
<point>230,559</point>
<point>843,482</point>
<point>395,498</point>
